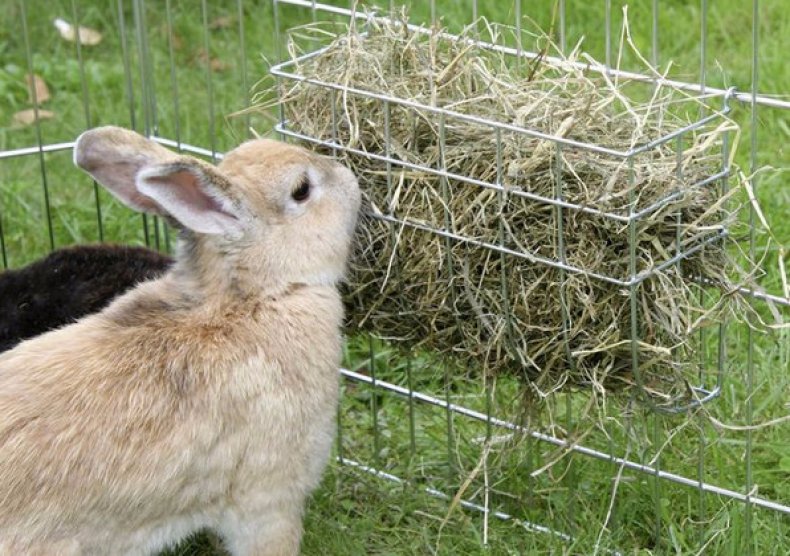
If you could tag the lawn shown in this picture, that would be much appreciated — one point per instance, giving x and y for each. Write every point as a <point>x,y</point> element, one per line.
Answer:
<point>200,72</point>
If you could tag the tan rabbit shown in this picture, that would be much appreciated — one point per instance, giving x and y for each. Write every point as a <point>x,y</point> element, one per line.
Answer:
<point>204,398</point>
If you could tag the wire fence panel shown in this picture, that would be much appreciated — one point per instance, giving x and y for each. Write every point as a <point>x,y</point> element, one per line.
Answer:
<point>706,470</point>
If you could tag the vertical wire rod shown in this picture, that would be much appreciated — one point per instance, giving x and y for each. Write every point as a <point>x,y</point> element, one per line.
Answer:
<point>278,39</point>
<point>150,97</point>
<point>566,325</point>
<point>140,31</point>
<point>146,74</point>
<point>725,189</point>
<point>489,429</point>
<point>278,49</point>
<point>448,224</point>
<point>174,94</point>
<point>565,313</point>
<point>701,446</point>
<point>410,385</point>
<point>313,19</point>
<point>334,121</point>
<point>563,29</point>
<point>388,153</point>
<point>656,419</point>
<point>127,65</point>
<point>752,256</point>
<point>703,45</point>
<point>3,254</point>
<point>173,72</point>
<point>519,45</point>
<point>449,424</point>
<point>209,83</point>
<point>87,113</point>
<point>510,334</point>
<point>632,290</point>
<point>339,413</point>
<point>245,87</point>
<point>654,36</point>
<point>39,138</point>
<point>608,34</point>
<point>374,404</point>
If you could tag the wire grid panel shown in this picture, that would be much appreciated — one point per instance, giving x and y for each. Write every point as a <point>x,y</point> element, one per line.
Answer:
<point>416,419</point>
<point>633,214</point>
<point>618,442</point>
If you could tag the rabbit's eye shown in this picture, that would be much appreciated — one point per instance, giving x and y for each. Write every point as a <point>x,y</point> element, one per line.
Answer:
<point>302,192</point>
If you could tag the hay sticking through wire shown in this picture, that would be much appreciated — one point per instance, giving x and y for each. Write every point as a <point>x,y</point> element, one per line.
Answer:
<point>517,278</point>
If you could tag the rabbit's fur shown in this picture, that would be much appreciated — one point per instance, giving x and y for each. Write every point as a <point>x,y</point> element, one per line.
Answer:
<point>205,398</point>
<point>68,284</point>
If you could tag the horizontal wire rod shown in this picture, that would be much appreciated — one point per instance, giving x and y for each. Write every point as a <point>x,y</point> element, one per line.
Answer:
<point>184,147</point>
<point>463,502</point>
<point>745,97</point>
<point>281,70</point>
<point>625,463</point>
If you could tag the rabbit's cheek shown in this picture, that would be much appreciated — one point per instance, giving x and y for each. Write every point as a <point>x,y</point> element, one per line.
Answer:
<point>294,210</point>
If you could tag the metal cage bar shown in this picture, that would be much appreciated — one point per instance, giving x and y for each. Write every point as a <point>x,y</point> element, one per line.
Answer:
<point>573,447</point>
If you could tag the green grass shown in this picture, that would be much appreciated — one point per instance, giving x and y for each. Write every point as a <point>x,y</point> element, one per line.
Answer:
<point>357,513</point>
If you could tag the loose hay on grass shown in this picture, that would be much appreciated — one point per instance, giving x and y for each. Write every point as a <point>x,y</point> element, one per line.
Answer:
<point>553,327</point>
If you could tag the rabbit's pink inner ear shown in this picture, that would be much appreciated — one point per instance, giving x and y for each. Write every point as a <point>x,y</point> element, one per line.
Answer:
<point>188,193</point>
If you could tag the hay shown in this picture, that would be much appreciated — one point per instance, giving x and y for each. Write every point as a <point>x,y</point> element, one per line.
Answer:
<point>516,315</point>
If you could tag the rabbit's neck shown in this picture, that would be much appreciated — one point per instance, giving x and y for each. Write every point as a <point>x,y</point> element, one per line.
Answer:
<point>208,273</point>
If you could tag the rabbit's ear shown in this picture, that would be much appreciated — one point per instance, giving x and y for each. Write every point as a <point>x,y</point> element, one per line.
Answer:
<point>114,156</point>
<point>194,193</point>
<point>147,177</point>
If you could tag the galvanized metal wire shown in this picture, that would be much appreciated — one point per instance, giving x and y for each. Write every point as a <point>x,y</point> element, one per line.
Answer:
<point>659,476</point>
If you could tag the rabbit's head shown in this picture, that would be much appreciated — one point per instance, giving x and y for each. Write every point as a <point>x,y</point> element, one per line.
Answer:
<point>280,212</point>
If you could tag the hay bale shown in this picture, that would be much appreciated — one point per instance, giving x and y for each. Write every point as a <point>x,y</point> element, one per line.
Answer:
<point>516,314</point>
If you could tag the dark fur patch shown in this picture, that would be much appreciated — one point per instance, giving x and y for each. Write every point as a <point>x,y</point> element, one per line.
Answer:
<point>69,284</point>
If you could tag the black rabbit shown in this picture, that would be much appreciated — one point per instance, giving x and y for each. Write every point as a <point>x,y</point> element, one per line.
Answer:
<point>68,284</point>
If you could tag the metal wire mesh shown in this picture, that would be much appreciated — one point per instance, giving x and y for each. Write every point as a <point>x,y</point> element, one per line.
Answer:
<point>398,409</point>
